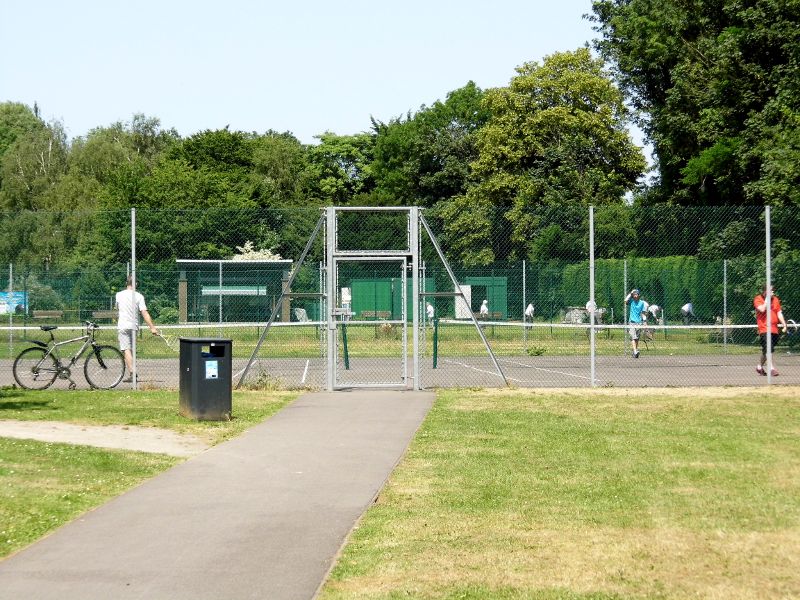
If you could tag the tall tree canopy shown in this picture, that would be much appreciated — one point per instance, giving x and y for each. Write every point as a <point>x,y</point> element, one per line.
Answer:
<point>716,85</point>
<point>426,157</point>
<point>555,136</point>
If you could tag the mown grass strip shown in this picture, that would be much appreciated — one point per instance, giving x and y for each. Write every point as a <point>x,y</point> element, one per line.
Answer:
<point>592,494</point>
<point>44,485</point>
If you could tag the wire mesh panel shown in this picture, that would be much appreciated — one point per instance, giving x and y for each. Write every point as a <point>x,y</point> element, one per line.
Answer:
<point>502,299</point>
<point>696,271</point>
<point>372,323</point>
<point>457,326</point>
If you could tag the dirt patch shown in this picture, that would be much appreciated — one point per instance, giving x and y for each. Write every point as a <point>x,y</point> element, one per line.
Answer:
<point>123,437</point>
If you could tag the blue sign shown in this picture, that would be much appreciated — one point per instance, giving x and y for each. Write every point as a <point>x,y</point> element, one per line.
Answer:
<point>10,301</point>
<point>212,369</point>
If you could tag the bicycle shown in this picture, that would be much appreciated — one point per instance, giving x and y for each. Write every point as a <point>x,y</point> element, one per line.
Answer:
<point>37,367</point>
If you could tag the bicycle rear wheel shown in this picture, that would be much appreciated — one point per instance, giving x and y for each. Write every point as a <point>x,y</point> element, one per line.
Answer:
<point>104,367</point>
<point>35,369</point>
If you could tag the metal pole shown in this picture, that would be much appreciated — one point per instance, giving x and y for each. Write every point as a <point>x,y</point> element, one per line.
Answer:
<point>524,309</point>
<point>725,304</point>
<point>424,312</point>
<point>592,305</point>
<point>133,280</point>
<point>219,296</point>
<point>624,311</point>
<point>330,247</point>
<point>414,247</point>
<point>10,311</point>
<point>435,341</point>
<point>768,297</point>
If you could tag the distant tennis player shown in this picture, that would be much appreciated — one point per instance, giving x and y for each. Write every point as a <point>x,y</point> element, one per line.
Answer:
<point>687,312</point>
<point>529,311</point>
<point>776,317</point>
<point>637,314</point>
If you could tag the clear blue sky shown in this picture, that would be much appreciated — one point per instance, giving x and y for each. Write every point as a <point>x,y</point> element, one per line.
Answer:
<point>303,67</point>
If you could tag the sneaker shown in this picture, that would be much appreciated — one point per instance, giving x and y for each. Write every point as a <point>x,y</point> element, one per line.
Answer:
<point>636,354</point>
<point>760,370</point>
<point>128,379</point>
<point>774,372</point>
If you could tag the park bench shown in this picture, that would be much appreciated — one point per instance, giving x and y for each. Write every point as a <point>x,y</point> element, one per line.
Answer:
<point>492,316</point>
<point>98,315</point>
<point>48,314</point>
<point>376,314</point>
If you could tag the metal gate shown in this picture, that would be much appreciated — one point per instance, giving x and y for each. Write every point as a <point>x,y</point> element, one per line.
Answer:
<point>371,347</point>
<point>371,344</point>
<point>386,363</point>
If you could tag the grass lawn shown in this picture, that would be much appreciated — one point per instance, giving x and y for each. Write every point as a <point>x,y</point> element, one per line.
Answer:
<point>602,494</point>
<point>44,485</point>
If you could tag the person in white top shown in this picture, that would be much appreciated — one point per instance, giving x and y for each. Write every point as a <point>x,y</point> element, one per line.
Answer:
<point>687,312</point>
<point>485,309</point>
<point>653,310</point>
<point>529,311</point>
<point>129,305</point>
<point>429,310</point>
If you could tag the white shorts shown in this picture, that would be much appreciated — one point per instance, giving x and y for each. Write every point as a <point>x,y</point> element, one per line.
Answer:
<point>125,339</point>
<point>634,330</point>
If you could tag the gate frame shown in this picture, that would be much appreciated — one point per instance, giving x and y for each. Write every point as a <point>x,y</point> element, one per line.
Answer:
<point>328,296</point>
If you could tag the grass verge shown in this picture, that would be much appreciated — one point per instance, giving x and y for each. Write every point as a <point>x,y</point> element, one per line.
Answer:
<point>44,485</point>
<point>512,494</point>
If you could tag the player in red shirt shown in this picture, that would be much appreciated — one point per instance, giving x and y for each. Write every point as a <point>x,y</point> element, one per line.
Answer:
<point>776,317</point>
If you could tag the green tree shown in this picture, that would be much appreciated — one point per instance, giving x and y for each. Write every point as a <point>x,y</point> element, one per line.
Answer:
<point>716,84</point>
<point>340,166</point>
<point>16,119</point>
<point>425,158</point>
<point>34,162</point>
<point>556,136</point>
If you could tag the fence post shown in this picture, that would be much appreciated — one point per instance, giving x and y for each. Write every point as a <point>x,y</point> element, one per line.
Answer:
<point>135,375</point>
<point>524,308</point>
<point>592,306</point>
<point>10,312</point>
<point>624,311</point>
<point>725,305</point>
<point>768,298</point>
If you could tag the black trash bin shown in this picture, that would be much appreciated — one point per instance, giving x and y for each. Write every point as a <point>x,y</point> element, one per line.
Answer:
<point>205,379</point>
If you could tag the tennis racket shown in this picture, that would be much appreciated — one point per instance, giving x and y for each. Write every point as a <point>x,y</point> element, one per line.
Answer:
<point>791,327</point>
<point>169,340</point>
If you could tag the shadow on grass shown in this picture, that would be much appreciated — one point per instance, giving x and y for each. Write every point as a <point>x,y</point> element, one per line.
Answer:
<point>12,398</point>
<point>30,405</point>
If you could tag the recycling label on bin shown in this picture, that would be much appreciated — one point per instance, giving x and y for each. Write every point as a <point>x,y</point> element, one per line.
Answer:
<point>212,369</point>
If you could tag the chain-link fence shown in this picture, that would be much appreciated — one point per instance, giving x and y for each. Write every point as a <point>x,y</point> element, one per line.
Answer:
<point>503,297</point>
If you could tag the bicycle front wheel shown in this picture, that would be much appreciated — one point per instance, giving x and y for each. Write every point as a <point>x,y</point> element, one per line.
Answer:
<point>104,367</point>
<point>35,369</point>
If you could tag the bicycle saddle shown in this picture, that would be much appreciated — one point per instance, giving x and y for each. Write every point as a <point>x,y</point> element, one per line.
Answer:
<point>48,327</point>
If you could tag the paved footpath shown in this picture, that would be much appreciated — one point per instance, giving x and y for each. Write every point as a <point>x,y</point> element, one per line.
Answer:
<point>261,516</point>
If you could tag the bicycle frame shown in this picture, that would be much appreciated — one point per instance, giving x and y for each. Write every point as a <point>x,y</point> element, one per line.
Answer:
<point>53,346</point>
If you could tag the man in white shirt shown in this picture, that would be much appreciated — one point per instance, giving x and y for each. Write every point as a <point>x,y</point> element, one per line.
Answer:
<point>687,312</point>
<point>485,309</point>
<point>529,311</point>
<point>129,305</point>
